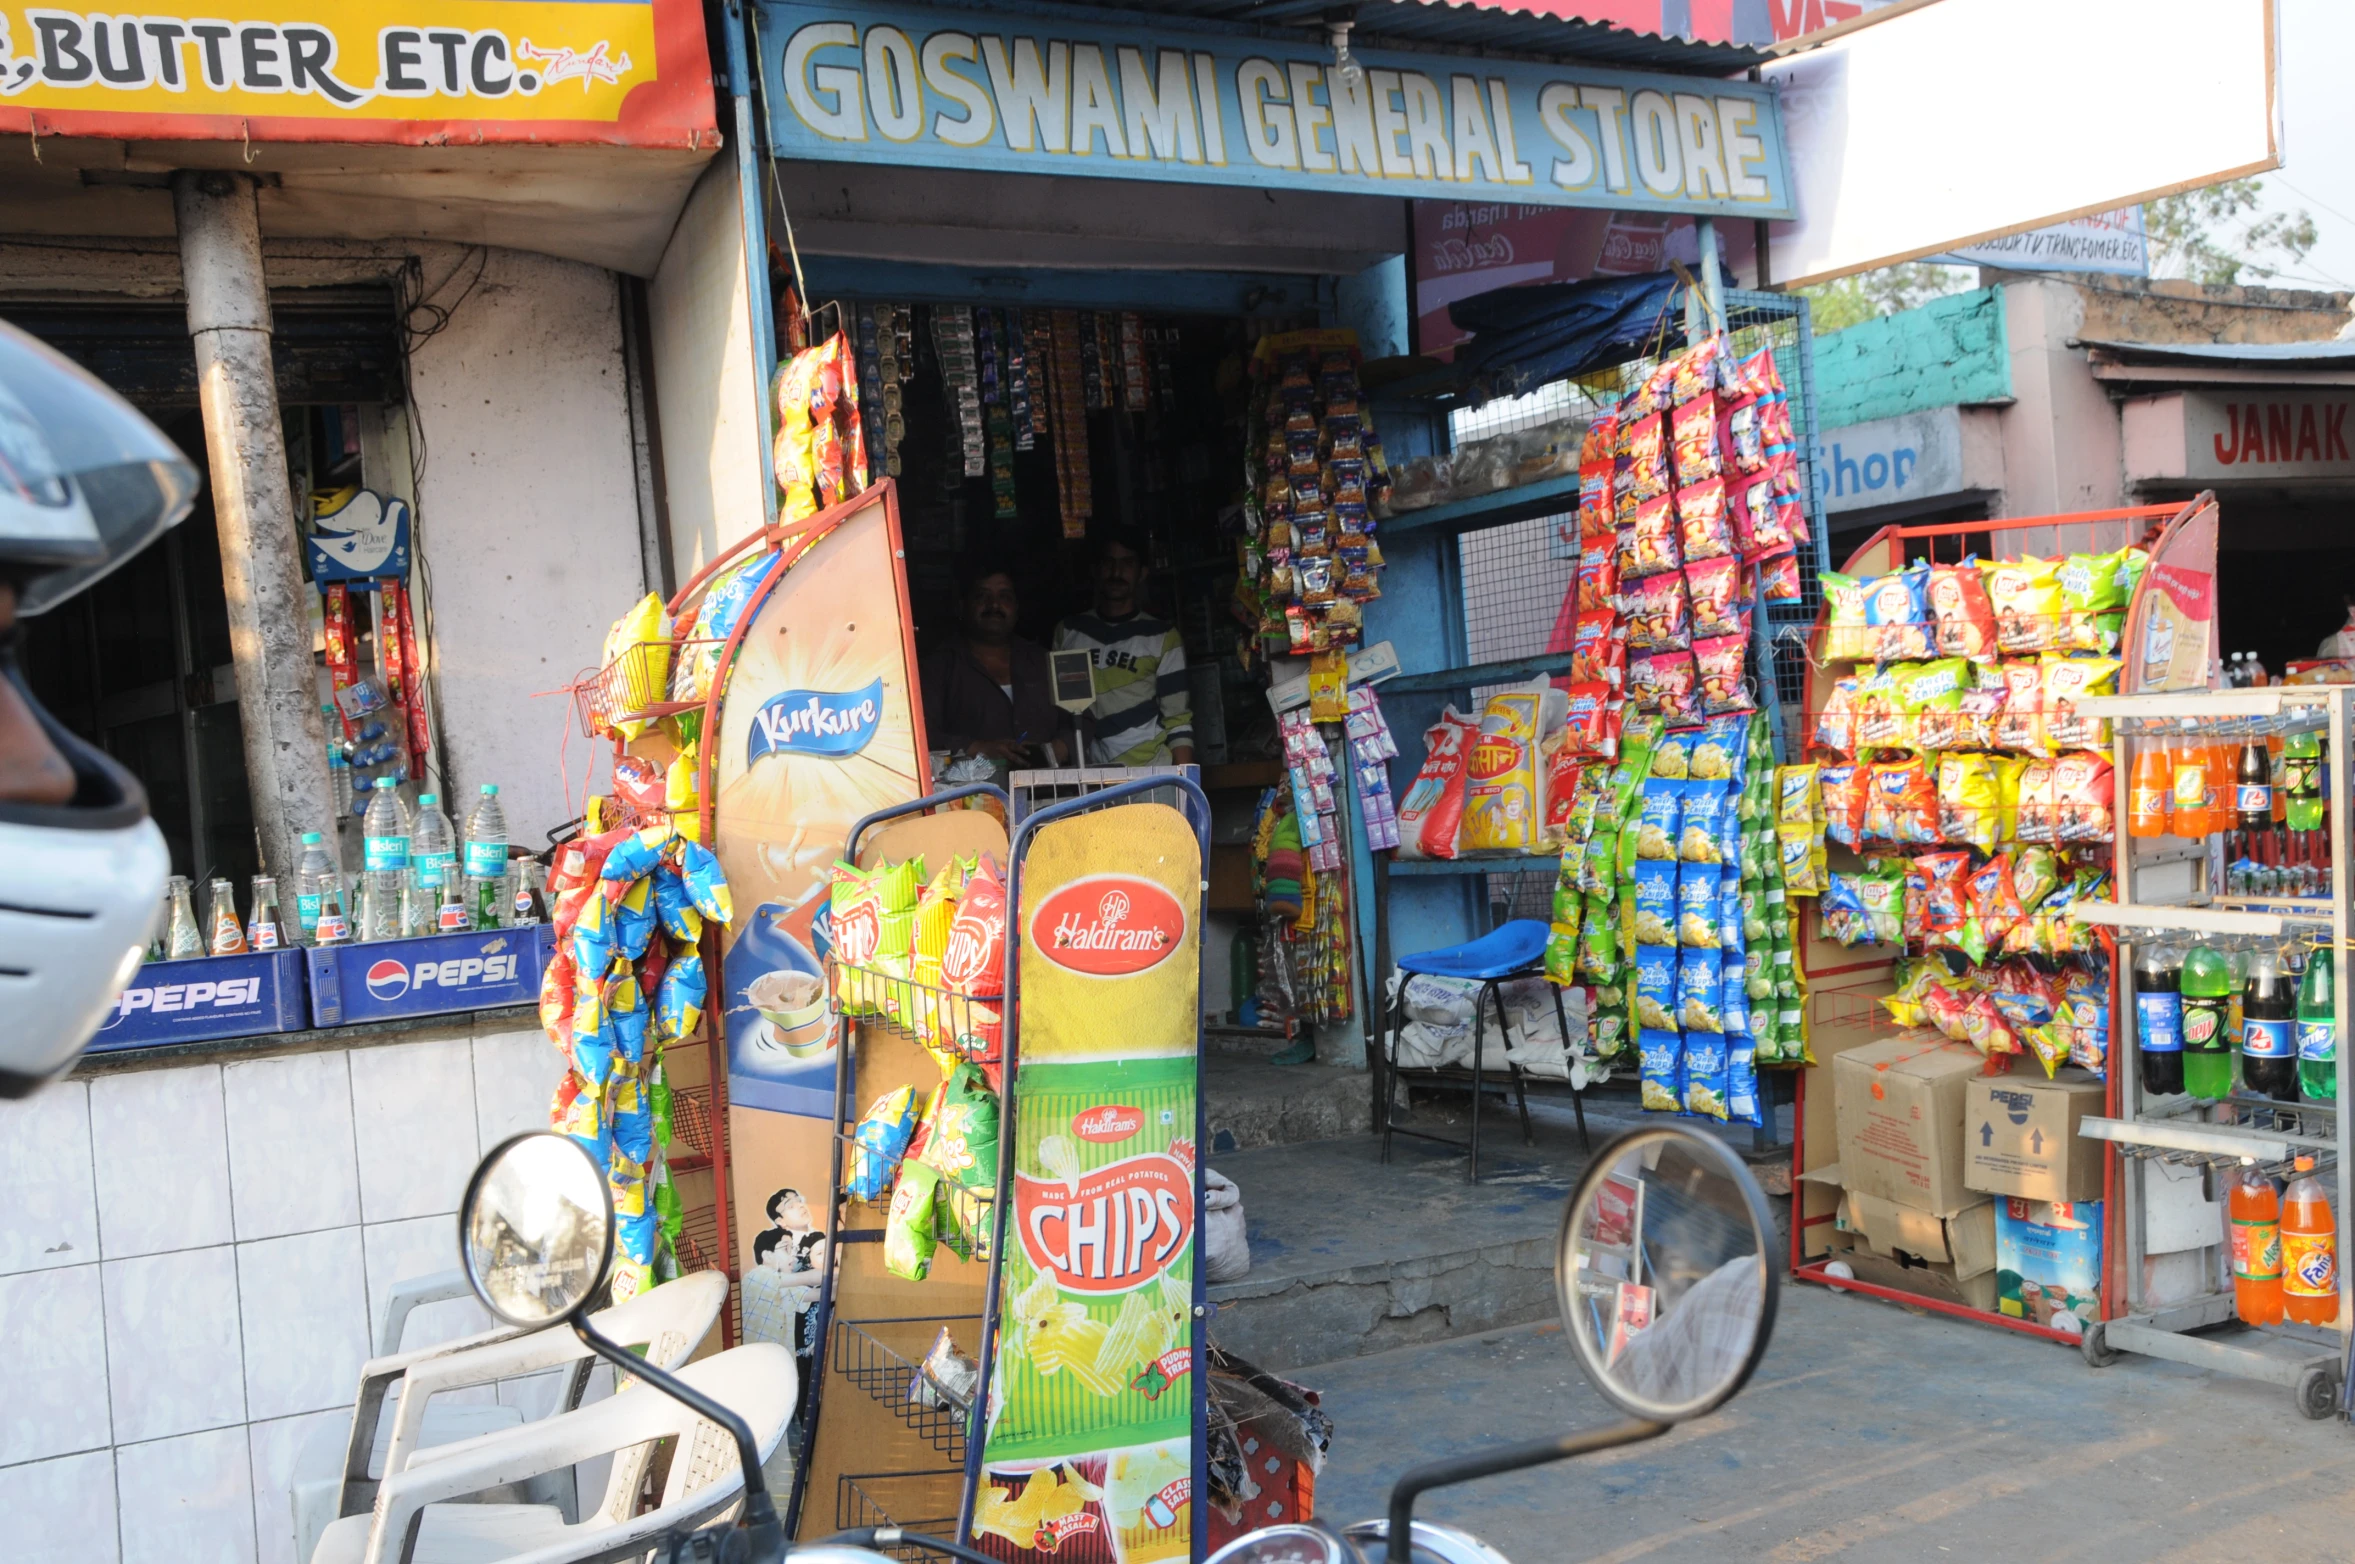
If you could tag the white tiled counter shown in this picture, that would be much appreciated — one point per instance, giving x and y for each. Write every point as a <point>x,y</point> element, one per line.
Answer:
<point>192,1248</point>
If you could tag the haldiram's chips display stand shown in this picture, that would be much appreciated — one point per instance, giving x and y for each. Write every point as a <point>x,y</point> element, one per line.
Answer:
<point>1009,1342</point>
<point>1958,808</point>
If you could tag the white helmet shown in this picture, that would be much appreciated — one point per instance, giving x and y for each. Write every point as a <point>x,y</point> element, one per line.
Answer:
<point>85,483</point>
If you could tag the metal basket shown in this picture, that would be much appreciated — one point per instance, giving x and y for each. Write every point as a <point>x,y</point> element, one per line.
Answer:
<point>969,1026</point>
<point>862,1358</point>
<point>628,688</point>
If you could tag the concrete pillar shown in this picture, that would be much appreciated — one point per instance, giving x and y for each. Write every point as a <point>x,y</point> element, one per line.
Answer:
<point>253,505</point>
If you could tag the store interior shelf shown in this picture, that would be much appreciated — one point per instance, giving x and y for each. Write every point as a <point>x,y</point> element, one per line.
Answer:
<point>2265,701</point>
<point>1546,497</point>
<point>2202,920</point>
<point>861,1357</point>
<point>1519,863</point>
<point>1473,675</point>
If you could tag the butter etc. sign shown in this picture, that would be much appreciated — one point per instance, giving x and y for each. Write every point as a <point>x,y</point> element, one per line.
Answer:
<point>1031,94</point>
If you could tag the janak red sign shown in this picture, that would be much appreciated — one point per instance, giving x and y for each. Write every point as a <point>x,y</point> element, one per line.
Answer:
<point>2255,435</point>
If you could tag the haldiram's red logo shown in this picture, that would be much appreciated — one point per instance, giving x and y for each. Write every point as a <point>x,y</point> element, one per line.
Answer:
<point>1112,1229</point>
<point>1108,925</point>
<point>1107,1124</point>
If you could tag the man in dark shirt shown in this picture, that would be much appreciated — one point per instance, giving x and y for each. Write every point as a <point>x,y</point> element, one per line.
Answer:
<point>987,691</point>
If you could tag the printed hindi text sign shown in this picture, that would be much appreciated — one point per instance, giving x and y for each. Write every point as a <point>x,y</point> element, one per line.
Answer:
<point>625,72</point>
<point>1001,94</point>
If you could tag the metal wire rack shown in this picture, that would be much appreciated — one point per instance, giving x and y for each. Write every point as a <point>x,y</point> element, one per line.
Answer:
<point>900,1499</point>
<point>636,684</point>
<point>970,1026</point>
<point>894,1380</point>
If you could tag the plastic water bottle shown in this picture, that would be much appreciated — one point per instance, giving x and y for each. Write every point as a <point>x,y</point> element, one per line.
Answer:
<point>339,765</point>
<point>384,864</point>
<point>316,875</point>
<point>433,864</point>
<point>486,860</point>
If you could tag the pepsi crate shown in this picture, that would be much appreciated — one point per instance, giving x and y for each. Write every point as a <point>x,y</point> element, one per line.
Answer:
<point>206,999</point>
<point>434,975</point>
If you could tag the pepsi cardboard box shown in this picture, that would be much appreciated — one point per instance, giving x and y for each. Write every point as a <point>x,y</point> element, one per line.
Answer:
<point>434,975</point>
<point>206,999</point>
<point>2020,1136</point>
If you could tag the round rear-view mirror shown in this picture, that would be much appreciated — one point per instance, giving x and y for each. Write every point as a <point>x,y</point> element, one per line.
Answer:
<point>536,1229</point>
<point>1666,1286</point>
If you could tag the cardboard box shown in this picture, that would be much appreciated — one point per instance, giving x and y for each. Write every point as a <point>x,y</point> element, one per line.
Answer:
<point>2023,1140</point>
<point>2048,1259</point>
<point>1949,1258</point>
<point>1898,1105</point>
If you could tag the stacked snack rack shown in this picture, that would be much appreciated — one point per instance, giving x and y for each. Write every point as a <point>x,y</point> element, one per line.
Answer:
<point>2171,888</point>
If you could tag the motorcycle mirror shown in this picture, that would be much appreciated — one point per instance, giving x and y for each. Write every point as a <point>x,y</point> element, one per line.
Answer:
<point>536,1230</point>
<point>1667,1290</point>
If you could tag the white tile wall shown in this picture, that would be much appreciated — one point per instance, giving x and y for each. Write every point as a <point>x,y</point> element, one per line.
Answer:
<point>213,1355</point>
<point>415,1151</point>
<point>305,1314</point>
<point>61,1512</point>
<point>160,1151</point>
<point>187,1500</point>
<point>286,1451</point>
<point>53,1373</point>
<point>291,1159</point>
<point>175,1361</point>
<point>51,1215</point>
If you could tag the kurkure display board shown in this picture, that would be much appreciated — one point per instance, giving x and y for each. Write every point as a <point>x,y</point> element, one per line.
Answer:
<point>423,72</point>
<point>820,726</point>
<point>1092,1447</point>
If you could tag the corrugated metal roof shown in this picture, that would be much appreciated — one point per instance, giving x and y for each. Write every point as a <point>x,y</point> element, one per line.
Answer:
<point>2335,354</point>
<point>1551,29</point>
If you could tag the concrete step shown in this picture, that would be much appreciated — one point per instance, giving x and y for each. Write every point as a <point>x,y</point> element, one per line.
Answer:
<point>1250,1102</point>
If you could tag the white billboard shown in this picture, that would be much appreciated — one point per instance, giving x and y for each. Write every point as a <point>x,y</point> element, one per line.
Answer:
<point>1950,124</point>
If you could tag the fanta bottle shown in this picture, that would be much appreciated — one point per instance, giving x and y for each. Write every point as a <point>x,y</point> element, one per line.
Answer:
<point>2154,785</point>
<point>2255,1214</point>
<point>2309,1251</point>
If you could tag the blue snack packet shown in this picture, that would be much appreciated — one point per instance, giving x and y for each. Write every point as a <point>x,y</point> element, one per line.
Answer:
<point>1662,818</point>
<point>1732,929</point>
<point>678,1004</point>
<point>707,884</point>
<point>1698,836</point>
<point>880,1141</point>
<point>1705,1075</point>
<point>1699,977</point>
<point>679,917</point>
<point>1741,1082</point>
<point>1698,896</point>
<point>633,919</point>
<point>635,858</point>
<point>1733,996</point>
<point>1655,988</point>
<point>1661,1055</point>
<point>1654,902</point>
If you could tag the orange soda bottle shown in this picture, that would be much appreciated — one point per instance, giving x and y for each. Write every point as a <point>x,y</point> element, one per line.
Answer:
<point>2188,806</point>
<point>2273,769</point>
<point>2147,800</point>
<point>2309,1251</point>
<point>2255,1215</point>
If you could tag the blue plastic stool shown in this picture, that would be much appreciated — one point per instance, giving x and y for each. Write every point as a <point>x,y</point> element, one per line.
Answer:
<point>1516,950</point>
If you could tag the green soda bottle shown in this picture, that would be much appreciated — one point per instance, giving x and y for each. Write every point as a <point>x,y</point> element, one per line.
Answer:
<point>2318,1031</point>
<point>2301,764</point>
<point>2207,1033</point>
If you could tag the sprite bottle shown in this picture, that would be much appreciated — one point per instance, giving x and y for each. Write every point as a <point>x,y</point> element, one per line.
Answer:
<point>2318,1030</point>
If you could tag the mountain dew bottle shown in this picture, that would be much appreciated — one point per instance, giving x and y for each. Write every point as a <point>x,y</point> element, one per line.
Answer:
<point>2318,1030</point>
<point>2207,1036</point>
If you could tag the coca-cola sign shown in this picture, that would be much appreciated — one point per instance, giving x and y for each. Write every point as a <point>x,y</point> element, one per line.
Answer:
<point>1108,925</point>
<point>1113,1229</point>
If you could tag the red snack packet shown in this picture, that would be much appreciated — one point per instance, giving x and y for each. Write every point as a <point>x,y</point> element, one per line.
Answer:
<point>1945,902</point>
<point>1657,615</point>
<point>1702,527</point>
<point>1993,901</point>
<point>1643,445</point>
<point>1715,588</point>
<point>1982,712</point>
<point>1778,579</point>
<point>1770,532</point>
<point>1667,683</point>
<point>1723,688</point>
<point>1740,444</point>
<point>1835,725</point>
<point>1624,563</point>
<point>1693,433</point>
<point>2081,788</point>
<point>1985,1028</point>
<point>1597,654</point>
<point>2023,708</point>
<point>1587,703</point>
<point>1614,714</point>
<point>975,962</point>
<point>1561,789</point>
<point>1945,1009</point>
<point>1652,548</point>
<point>1598,573</point>
<point>639,783</point>
<point>1843,789</point>
<point>1744,498</point>
<point>1962,618</point>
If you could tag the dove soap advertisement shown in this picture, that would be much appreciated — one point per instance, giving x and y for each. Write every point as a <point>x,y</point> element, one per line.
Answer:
<point>611,72</point>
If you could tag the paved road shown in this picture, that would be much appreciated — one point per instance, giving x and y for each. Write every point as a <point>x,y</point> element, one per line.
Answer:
<point>1870,1433</point>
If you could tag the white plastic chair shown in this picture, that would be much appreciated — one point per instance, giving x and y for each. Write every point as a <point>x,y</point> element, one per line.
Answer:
<point>415,1522</point>
<point>669,1321</point>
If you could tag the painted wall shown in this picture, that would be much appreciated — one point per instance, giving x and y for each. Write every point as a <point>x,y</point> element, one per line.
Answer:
<point>1950,352</point>
<point>2062,449</point>
<point>701,327</point>
<point>192,1262</point>
<point>528,513</point>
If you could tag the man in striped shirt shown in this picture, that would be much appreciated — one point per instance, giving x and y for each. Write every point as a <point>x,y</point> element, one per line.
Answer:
<point>1142,715</point>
